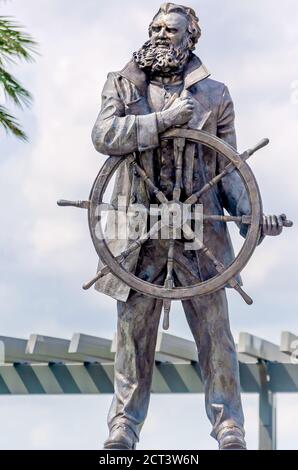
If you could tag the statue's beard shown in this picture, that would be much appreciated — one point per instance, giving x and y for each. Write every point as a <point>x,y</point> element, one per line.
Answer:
<point>160,59</point>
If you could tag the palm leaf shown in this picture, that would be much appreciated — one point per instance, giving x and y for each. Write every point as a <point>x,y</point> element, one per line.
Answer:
<point>13,89</point>
<point>15,43</point>
<point>11,124</point>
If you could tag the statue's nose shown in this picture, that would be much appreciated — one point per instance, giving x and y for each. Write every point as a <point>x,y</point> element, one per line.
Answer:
<point>162,33</point>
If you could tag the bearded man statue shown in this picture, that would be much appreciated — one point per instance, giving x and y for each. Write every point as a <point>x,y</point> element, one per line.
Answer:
<point>166,85</point>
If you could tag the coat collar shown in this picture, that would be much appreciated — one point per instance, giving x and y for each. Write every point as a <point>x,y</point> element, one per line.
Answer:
<point>194,72</point>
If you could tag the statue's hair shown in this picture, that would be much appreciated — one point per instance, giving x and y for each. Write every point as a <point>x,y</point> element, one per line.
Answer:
<point>194,29</point>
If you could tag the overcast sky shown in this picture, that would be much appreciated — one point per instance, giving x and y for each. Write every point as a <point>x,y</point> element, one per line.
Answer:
<point>46,252</point>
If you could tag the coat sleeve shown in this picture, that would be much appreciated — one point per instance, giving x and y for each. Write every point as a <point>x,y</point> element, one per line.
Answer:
<point>232,190</point>
<point>116,133</point>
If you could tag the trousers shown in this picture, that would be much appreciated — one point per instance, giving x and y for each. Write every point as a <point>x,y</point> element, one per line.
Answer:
<point>137,328</point>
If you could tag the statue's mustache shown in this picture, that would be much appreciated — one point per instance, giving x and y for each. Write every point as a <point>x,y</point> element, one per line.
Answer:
<point>160,42</point>
<point>161,55</point>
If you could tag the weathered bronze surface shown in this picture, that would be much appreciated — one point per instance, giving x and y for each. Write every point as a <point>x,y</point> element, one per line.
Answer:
<point>168,130</point>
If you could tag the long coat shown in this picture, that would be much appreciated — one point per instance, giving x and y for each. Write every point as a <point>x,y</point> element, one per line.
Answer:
<point>126,125</point>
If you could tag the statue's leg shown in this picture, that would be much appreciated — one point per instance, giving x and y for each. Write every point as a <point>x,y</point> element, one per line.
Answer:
<point>208,319</point>
<point>138,320</point>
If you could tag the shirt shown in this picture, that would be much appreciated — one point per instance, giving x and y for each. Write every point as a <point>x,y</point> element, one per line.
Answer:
<point>160,90</point>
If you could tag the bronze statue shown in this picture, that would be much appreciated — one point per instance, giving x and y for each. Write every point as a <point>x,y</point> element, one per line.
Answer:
<point>169,131</point>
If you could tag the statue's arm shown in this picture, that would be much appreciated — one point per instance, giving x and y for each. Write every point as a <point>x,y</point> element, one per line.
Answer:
<point>232,189</point>
<point>233,193</point>
<point>116,133</point>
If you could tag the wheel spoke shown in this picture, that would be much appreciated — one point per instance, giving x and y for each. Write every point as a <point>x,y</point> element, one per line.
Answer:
<point>220,268</point>
<point>138,243</point>
<point>122,257</point>
<point>196,196</point>
<point>105,270</point>
<point>158,194</point>
<point>79,204</point>
<point>245,219</point>
<point>169,284</point>
<point>179,145</point>
<point>190,234</point>
<point>228,169</point>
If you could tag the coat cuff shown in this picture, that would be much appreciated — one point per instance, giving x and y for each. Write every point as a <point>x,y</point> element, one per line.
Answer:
<point>147,132</point>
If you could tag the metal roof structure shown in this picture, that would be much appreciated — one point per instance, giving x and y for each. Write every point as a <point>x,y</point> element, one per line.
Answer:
<point>84,365</point>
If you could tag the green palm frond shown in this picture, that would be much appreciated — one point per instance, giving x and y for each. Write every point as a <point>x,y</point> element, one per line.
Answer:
<point>15,43</point>
<point>11,124</point>
<point>13,89</point>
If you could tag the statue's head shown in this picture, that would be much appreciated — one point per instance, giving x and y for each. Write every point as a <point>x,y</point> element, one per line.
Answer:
<point>174,32</point>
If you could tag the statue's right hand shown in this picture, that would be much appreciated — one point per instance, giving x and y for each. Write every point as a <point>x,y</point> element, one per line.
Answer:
<point>179,113</point>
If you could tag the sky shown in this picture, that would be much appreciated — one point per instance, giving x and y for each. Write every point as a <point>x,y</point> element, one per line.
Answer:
<point>46,251</point>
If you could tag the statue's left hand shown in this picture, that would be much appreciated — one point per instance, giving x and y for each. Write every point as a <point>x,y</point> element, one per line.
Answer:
<point>272,225</point>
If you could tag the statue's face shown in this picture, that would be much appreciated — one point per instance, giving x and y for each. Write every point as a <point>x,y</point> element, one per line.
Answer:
<point>168,48</point>
<point>169,29</point>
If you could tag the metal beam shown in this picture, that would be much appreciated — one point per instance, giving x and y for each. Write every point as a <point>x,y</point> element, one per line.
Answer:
<point>93,346</point>
<point>283,378</point>
<point>40,348</point>
<point>161,355</point>
<point>98,378</point>
<point>49,349</point>
<point>267,411</point>
<point>172,348</point>
<point>289,345</point>
<point>245,358</point>
<point>93,378</point>
<point>175,349</point>
<point>14,350</point>
<point>167,378</point>
<point>86,348</point>
<point>261,349</point>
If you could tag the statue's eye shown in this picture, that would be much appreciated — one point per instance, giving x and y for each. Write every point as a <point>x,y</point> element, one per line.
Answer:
<point>171,30</point>
<point>156,29</point>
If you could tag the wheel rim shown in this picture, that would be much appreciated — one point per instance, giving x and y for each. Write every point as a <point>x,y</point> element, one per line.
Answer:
<point>201,288</point>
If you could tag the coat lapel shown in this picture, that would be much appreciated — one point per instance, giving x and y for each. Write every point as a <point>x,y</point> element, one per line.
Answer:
<point>134,74</point>
<point>194,73</point>
<point>201,114</point>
